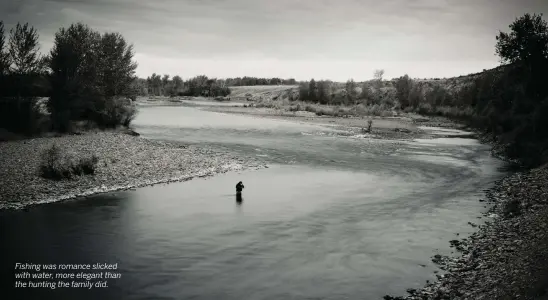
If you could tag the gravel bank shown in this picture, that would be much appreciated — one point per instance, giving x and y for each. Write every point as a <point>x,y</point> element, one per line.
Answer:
<point>125,162</point>
<point>394,128</point>
<point>507,258</point>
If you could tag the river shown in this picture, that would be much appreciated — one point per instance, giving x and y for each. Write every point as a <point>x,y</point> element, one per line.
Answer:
<point>335,216</point>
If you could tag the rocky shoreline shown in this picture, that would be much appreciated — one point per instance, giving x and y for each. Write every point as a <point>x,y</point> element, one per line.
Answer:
<point>507,258</point>
<point>125,161</point>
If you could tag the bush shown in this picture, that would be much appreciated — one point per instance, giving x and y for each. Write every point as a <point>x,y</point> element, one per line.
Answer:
<point>118,111</point>
<point>85,165</point>
<point>57,165</point>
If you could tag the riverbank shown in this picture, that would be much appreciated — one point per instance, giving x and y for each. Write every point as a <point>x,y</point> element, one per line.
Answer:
<point>125,162</point>
<point>403,127</point>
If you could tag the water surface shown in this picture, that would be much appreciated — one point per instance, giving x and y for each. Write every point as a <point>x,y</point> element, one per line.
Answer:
<point>335,216</point>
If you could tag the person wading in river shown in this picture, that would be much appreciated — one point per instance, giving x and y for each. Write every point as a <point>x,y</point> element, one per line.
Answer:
<point>239,188</point>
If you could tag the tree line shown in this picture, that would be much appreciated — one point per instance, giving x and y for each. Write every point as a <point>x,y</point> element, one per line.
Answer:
<point>509,102</point>
<point>86,76</point>
<point>351,93</point>
<point>250,81</point>
<point>157,85</point>
<point>165,85</point>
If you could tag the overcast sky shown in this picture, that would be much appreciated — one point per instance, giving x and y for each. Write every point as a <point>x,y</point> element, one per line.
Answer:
<point>303,39</point>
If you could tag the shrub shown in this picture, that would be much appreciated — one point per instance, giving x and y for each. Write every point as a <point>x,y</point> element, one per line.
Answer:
<point>85,165</point>
<point>53,165</point>
<point>118,111</point>
<point>58,165</point>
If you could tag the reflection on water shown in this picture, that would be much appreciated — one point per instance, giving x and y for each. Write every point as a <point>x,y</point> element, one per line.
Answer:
<point>332,218</point>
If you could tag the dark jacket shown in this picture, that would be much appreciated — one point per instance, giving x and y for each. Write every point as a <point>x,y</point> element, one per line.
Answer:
<point>239,187</point>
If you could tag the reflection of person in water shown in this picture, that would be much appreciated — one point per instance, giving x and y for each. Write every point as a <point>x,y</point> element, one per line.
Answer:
<point>239,188</point>
<point>239,198</point>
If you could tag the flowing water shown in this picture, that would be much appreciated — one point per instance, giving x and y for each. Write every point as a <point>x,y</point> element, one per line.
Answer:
<point>335,216</point>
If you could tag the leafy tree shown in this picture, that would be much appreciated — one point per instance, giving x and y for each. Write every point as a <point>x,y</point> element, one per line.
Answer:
<point>23,50</point>
<point>527,41</point>
<point>312,90</point>
<point>378,74</point>
<point>155,84</point>
<point>351,90</point>
<point>140,86</point>
<point>74,64</point>
<point>22,67</point>
<point>438,96</point>
<point>403,89</point>
<point>303,91</point>
<point>323,91</point>
<point>165,80</point>
<point>526,49</point>
<point>4,54</point>
<point>117,73</point>
<point>376,93</point>
<point>178,83</point>
<point>118,67</point>
<point>91,75</point>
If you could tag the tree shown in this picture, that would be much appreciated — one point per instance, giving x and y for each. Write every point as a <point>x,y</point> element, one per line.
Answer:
<point>527,41</point>
<point>303,91</point>
<point>438,96</point>
<point>4,54</point>
<point>92,75</point>
<point>117,73</point>
<point>378,74</point>
<point>74,64</point>
<point>403,89</point>
<point>155,84</point>
<point>22,67</point>
<point>178,83</point>
<point>351,90</point>
<point>118,67</point>
<point>526,49</point>
<point>140,86</point>
<point>312,90</point>
<point>23,50</point>
<point>323,87</point>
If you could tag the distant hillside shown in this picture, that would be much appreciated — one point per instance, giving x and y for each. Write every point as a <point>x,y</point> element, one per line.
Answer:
<point>338,89</point>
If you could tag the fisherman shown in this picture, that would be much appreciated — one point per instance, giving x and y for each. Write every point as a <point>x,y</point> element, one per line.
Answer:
<point>239,187</point>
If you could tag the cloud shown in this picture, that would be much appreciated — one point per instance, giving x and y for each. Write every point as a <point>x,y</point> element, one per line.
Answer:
<point>293,31</point>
